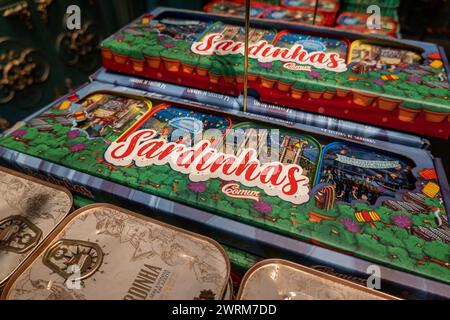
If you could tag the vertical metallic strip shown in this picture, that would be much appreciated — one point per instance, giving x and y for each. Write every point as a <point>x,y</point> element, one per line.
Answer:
<point>316,7</point>
<point>247,31</point>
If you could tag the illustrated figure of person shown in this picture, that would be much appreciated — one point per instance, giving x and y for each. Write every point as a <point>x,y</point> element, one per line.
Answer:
<point>354,193</point>
<point>329,177</point>
<point>381,65</point>
<point>165,134</point>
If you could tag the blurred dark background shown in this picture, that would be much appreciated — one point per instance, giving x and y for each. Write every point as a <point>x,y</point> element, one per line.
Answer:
<point>41,60</point>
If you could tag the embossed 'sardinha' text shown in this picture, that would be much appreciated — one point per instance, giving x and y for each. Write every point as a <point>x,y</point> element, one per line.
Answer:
<point>143,284</point>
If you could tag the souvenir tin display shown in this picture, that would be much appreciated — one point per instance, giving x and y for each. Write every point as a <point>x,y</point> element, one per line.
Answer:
<point>298,16</point>
<point>390,83</point>
<point>29,210</point>
<point>293,11</point>
<point>149,260</point>
<point>283,280</point>
<point>358,22</point>
<point>241,261</point>
<point>255,107</point>
<point>328,9</point>
<point>323,5</point>
<point>378,201</point>
<point>386,9</point>
<point>236,7</point>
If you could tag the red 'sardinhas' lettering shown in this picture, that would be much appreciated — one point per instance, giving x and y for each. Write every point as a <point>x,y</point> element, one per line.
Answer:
<point>203,162</point>
<point>265,52</point>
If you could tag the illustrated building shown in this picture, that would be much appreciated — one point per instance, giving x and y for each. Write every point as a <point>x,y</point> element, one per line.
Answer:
<point>291,150</point>
<point>231,32</point>
<point>254,138</point>
<point>389,56</point>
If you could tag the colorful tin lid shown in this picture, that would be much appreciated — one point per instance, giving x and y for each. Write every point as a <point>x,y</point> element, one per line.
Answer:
<point>325,5</point>
<point>235,7</point>
<point>304,15</point>
<point>358,22</point>
<point>149,260</point>
<point>29,210</point>
<point>282,280</point>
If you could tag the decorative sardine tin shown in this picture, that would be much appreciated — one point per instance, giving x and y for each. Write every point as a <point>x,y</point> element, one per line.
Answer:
<point>105,252</point>
<point>379,81</point>
<point>283,280</point>
<point>366,198</point>
<point>29,210</point>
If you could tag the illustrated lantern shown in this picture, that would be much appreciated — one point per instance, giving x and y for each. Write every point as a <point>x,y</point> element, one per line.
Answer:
<point>79,116</point>
<point>389,77</point>
<point>325,198</point>
<point>366,216</point>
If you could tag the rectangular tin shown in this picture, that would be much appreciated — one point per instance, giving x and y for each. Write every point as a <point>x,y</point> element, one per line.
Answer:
<point>357,22</point>
<point>345,225</point>
<point>298,16</point>
<point>29,210</point>
<point>235,7</point>
<point>233,105</point>
<point>283,280</point>
<point>371,79</point>
<point>117,254</point>
<point>331,6</point>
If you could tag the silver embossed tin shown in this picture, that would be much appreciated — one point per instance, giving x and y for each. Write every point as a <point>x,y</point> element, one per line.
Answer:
<point>283,280</point>
<point>106,252</point>
<point>29,210</point>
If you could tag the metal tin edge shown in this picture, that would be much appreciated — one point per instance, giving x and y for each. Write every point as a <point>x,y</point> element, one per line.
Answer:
<point>49,185</point>
<point>310,271</point>
<point>228,293</point>
<point>36,180</point>
<point>66,221</point>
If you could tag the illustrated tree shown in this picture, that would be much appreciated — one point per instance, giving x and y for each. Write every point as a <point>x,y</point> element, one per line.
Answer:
<point>384,214</point>
<point>370,247</point>
<point>400,255</point>
<point>437,249</point>
<point>435,270</point>
<point>388,238</point>
<point>423,220</point>
<point>334,234</point>
<point>414,245</point>
<point>346,211</point>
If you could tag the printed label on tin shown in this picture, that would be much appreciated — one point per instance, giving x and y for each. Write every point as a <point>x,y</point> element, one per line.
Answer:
<point>123,256</point>
<point>203,162</point>
<point>28,212</point>
<point>265,52</point>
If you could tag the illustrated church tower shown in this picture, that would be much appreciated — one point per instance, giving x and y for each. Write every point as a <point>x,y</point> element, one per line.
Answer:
<point>291,150</point>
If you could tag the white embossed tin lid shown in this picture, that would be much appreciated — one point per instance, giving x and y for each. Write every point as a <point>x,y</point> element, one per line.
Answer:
<point>105,252</point>
<point>282,280</point>
<point>29,210</point>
